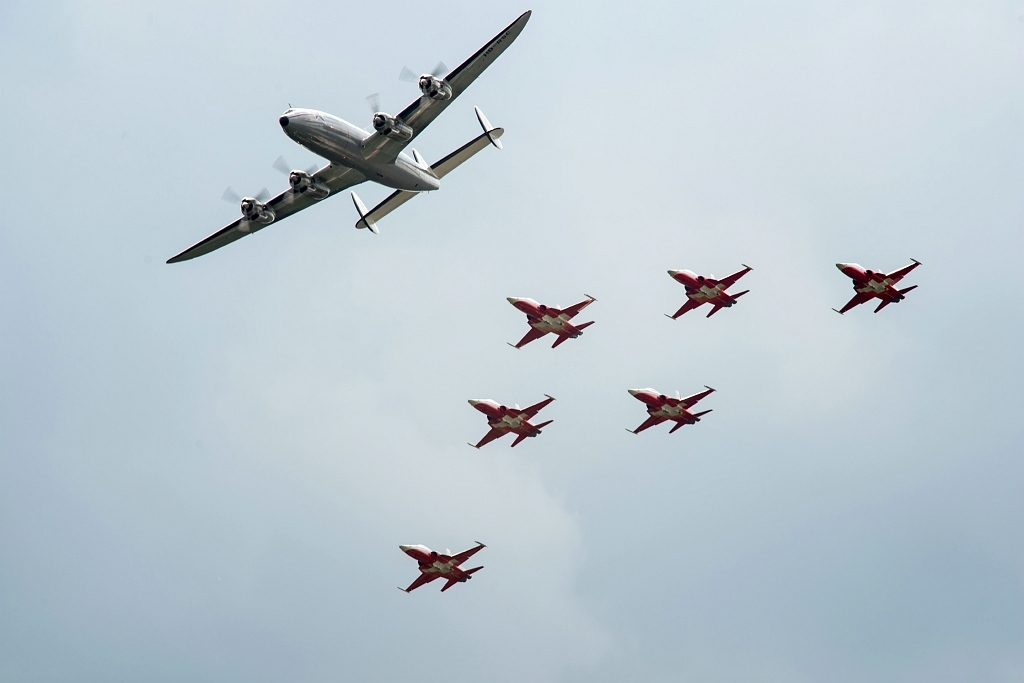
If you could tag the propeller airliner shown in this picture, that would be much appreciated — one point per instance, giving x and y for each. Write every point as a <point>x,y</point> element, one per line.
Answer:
<point>356,156</point>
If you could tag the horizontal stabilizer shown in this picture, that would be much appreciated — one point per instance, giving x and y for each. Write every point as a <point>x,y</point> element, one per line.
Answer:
<point>439,170</point>
<point>364,220</point>
<point>579,328</point>
<point>904,291</point>
<point>488,128</point>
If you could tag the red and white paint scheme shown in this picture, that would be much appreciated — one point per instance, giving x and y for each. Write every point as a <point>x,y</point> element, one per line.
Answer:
<point>434,565</point>
<point>503,419</point>
<point>870,284</point>
<point>661,408</point>
<point>550,320</point>
<point>702,290</point>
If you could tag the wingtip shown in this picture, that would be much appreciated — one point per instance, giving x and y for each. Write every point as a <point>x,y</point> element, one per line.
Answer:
<point>512,345</point>
<point>916,261</point>
<point>746,266</point>
<point>669,317</point>
<point>481,545</point>
<point>472,445</point>
<point>711,388</point>
<point>551,397</point>
<point>837,311</point>
<point>589,297</point>
<point>630,430</point>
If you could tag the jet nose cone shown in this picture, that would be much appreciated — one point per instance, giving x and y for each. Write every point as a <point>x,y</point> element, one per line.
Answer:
<point>475,402</point>
<point>404,548</point>
<point>673,273</point>
<point>842,266</point>
<point>513,299</point>
<point>634,392</point>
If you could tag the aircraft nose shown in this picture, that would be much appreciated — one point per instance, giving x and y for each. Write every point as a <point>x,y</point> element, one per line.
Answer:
<point>673,273</point>
<point>283,121</point>
<point>634,392</point>
<point>842,266</point>
<point>513,299</point>
<point>475,402</point>
<point>404,548</point>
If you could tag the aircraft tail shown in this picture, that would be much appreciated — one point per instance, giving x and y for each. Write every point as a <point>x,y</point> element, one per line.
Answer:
<point>439,170</point>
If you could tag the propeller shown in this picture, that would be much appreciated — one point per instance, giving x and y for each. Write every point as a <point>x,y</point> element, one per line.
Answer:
<point>231,196</point>
<point>409,75</point>
<point>284,167</point>
<point>374,102</point>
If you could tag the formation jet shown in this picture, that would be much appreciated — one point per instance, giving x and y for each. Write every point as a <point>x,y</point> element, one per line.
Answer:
<point>355,155</point>
<point>661,408</point>
<point>434,565</point>
<point>503,420</point>
<point>550,320</point>
<point>870,284</point>
<point>702,290</point>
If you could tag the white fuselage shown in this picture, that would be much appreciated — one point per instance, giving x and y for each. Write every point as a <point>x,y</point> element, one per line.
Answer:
<point>342,143</point>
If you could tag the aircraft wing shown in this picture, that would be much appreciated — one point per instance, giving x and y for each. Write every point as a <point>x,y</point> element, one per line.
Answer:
<point>898,275</point>
<point>420,113</point>
<point>489,437</point>
<point>337,178</point>
<point>536,407</point>
<point>529,337</point>
<point>688,306</point>
<point>420,580</point>
<point>858,299</point>
<point>459,558</point>
<point>731,280</point>
<point>649,422</point>
<point>692,400</point>
<point>574,310</point>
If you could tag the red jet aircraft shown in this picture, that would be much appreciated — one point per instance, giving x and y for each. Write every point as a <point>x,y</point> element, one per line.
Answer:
<point>433,565</point>
<point>503,419</point>
<point>870,284</point>
<point>702,290</point>
<point>547,319</point>
<point>662,408</point>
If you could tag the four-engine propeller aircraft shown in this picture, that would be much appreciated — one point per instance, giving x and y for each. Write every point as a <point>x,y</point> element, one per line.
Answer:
<point>503,420</point>
<point>702,290</point>
<point>661,408</point>
<point>434,565</point>
<point>870,284</point>
<point>356,156</point>
<point>547,319</point>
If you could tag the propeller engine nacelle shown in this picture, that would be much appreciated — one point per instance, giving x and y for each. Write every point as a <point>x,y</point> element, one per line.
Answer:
<point>255,210</point>
<point>391,127</point>
<point>435,88</point>
<point>304,183</point>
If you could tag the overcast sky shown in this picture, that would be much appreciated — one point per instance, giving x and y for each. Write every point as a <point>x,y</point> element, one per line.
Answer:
<point>207,467</point>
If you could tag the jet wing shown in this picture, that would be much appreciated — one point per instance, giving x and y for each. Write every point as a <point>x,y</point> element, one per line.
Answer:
<point>574,310</point>
<point>731,280</point>
<point>649,422</point>
<point>336,178</point>
<point>420,580</point>
<point>858,299</point>
<point>536,407</point>
<point>459,558</point>
<point>898,275</point>
<point>420,113</point>
<point>529,337</point>
<point>489,437</point>
<point>692,400</point>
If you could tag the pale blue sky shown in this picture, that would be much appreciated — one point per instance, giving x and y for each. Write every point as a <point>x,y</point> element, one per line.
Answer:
<point>207,468</point>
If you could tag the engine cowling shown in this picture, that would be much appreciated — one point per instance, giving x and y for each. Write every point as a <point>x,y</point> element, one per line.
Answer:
<point>304,183</point>
<point>435,88</point>
<point>389,126</point>
<point>255,210</point>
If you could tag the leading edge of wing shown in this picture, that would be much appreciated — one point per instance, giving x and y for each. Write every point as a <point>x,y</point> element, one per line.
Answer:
<point>284,204</point>
<point>464,74</point>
